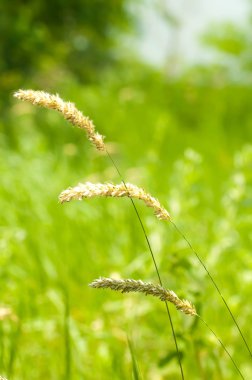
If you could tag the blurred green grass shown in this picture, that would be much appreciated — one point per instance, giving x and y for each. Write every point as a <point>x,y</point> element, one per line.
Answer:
<point>182,145</point>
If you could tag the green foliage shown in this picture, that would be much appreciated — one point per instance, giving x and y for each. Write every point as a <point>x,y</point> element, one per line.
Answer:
<point>51,252</point>
<point>79,37</point>
<point>227,38</point>
<point>186,140</point>
<point>232,45</point>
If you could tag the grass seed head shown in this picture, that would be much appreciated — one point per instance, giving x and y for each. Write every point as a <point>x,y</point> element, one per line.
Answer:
<point>67,109</point>
<point>130,285</point>
<point>92,190</point>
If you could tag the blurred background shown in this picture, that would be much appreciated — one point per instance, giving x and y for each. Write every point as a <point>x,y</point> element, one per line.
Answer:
<point>169,85</point>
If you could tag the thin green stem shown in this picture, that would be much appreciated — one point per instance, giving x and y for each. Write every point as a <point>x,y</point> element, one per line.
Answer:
<point>222,345</point>
<point>215,285</point>
<point>155,264</point>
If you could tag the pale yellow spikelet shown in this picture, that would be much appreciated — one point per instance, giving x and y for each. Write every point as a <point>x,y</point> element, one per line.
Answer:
<point>67,109</point>
<point>129,285</point>
<point>2,378</point>
<point>91,190</point>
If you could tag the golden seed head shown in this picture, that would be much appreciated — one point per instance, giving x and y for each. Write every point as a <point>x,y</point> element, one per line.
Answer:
<point>67,109</point>
<point>130,285</point>
<point>91,190</point>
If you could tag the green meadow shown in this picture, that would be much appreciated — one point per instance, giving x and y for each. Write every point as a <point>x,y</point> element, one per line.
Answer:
<point>185,139</point>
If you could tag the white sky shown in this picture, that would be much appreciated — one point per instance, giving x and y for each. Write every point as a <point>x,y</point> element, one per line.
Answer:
<point>159,40</point>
